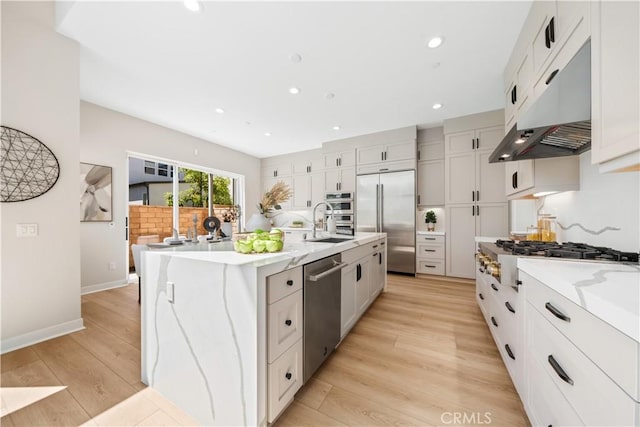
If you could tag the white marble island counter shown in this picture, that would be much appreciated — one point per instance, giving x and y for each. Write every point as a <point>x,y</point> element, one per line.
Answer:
<point>204,324</point>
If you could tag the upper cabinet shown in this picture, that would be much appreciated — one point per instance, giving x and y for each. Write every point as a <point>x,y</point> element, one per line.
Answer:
<point>387,157</point>
<point>430,170</point>
<point>338,159</point>
<point>553,33</point>
<point>615,58</point>
<point>278,169</point>
<point>529,178</point>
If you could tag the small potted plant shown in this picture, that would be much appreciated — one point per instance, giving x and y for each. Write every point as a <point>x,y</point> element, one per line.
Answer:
<point>430,219</point>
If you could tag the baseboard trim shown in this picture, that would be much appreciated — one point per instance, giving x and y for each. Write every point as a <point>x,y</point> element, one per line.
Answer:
<point>84,290</point>
<point>44,334</point>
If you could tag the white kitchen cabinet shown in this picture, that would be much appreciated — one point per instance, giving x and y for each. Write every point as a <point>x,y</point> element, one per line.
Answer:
<point>431,183</point>
<point>431,150</point>
<point>518,90</point>
<point>313,162</point>
<point>430,254</point>
<point>340,179</point>
<point>308,189</point>
<point>277,170</point>
<point>348,308</point>
<point>285,324</point>
<point>615,77</point>
<point>542,176</point>
<point>378,270</point>
<point>362,285</point>
<point>285,379</point>
<point>464,223</point>
<point>338,159</point>
<point>469,177</point>
<point>386,153</point>
<point>518,176</point>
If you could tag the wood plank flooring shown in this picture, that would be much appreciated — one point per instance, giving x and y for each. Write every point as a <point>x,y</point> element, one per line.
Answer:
<point>420,353</point>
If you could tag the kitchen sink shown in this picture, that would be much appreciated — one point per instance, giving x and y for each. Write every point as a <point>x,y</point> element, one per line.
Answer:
<point>331,240</point>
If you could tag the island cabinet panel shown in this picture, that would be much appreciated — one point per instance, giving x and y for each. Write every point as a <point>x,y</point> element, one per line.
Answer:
<point>285,378</point>
<point>285,324</point>
<point>282,284</point>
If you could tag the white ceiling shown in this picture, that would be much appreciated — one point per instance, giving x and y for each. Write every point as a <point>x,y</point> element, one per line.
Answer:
<point>162,63</point>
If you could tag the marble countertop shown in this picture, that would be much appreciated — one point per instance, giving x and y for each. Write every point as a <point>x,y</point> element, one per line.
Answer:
<point>433,233</point>
<point>294,253</point>
<point>609,291</point>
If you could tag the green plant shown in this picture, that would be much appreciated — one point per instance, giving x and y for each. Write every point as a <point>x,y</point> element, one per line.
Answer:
<point>430,216</point>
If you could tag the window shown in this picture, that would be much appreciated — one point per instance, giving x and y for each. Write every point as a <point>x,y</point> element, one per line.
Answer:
<point>150,167</point>
<point>163,169</point>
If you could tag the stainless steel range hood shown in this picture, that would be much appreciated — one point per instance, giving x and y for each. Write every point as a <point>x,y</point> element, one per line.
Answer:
<point>559,122</point>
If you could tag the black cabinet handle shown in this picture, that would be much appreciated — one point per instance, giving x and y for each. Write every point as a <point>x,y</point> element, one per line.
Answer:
<point>515,176</point>
<point>473,211</point>
<point>551,76</point>
<point>509,352</point>
<point>287,322</point>
<point>358,272</point>
<point>473,196</point>
<point>552,30</point>
<point>477,210</point>
<point>561,373</point>
<point>509,307</point>
<point>515,94</point>
<point>493,320</point>
<point>429,238</point>
<point>473,143</point>
<point>513,180</point>
<point>477,195</point>
<point>477,143</point>
<point>429,250</point>
<point>493,286</point>
<point>289,282</point>
<point>518,282</point>
<point>288,375</point>
<point>547,39</point>
<point>560,315</point>
<point>430,266</point>
<point>382,155</point>
<point>481,296</point>
<point>418,195</point>
<point>380,258</point>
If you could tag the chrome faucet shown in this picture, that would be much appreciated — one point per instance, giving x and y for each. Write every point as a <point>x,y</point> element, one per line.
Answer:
<point>313,218</point>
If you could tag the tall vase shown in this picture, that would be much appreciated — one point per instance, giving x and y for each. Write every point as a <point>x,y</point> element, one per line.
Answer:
<point>226,228</point>
<point>258,221</point>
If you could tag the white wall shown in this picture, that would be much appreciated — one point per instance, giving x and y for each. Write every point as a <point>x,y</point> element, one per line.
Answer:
<point>40,93</point>
<point>604,200</point>
<point>105,138</point>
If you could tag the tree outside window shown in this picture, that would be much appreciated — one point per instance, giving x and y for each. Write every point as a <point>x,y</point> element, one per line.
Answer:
<point>197,193</point>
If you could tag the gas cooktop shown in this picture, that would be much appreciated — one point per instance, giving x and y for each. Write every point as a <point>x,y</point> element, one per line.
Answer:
<point>566,250</point>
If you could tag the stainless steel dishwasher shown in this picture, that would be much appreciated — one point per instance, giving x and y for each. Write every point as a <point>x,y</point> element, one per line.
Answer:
<point>321,294</point>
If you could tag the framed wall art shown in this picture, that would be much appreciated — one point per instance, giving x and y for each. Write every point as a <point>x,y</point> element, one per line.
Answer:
<point>96,202</point>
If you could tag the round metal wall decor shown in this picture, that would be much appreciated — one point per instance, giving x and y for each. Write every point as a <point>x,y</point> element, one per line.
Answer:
<point>28,169</point>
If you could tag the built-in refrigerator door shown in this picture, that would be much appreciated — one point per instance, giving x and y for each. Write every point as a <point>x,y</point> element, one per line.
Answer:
<point>367,218</point>
<point>397,199</point>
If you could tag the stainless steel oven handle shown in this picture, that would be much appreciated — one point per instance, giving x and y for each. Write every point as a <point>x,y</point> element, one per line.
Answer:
<point>336,266</point>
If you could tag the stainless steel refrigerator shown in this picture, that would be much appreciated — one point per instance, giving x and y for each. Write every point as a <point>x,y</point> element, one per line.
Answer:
<point>385,202</point>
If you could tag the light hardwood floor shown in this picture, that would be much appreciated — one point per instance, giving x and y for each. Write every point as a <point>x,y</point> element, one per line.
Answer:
<point>419,355</point>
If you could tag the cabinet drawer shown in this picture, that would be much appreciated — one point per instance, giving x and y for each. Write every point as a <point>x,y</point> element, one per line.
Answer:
<point>593,395</point>
<point>282,284</point>
<point>618,358</point>
<point>429,238</point>
<point>284,324</point>
<point>546,405</point>
<point>285,378</point>
<point>430,266</point>
<point>429,250</point>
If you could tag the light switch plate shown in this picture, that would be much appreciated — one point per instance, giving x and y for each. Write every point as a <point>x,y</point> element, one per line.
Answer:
<point>26,230</point>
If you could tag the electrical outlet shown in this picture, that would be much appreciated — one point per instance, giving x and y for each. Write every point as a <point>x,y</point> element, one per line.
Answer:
<point>112,265</point>
<point>26,230</point>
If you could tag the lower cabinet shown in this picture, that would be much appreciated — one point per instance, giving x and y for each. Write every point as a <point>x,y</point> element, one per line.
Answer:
<point>284,339</point>
<point>430,254</point>
<point>362,280</point>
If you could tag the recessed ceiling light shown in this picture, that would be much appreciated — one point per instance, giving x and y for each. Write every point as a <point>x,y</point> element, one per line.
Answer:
<point>267,134</point>
<point>294,90</point>
<point>219,111</point>
<point>519,141</point>
<point>505,155</point>
<point>336,128</point>
<point>435,42</point>
<point>192,5</point>
<point>295,58</point>
<point>437,106</point>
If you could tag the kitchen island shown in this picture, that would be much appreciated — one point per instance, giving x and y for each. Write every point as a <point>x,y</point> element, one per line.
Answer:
<point>205,327</point>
